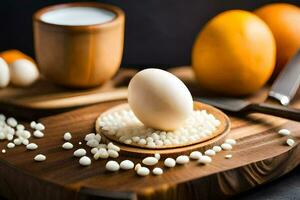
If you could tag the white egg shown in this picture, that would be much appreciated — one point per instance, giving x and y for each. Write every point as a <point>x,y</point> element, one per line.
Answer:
<point>4,74</point>
<point>23,72</point>
<point>159,99</point>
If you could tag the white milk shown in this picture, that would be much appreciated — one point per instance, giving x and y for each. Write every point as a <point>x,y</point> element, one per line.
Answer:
<point>78,16</point>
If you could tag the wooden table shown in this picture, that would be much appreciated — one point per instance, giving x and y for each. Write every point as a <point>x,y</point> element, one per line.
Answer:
<point>260,156</point>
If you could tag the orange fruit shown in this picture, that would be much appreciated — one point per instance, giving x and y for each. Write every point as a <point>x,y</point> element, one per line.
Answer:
<point>284,21</point>
<point>234,54</point>
<point>12,55</point>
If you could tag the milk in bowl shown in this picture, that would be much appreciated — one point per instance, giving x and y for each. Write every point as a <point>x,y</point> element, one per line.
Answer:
<point>78,16</point>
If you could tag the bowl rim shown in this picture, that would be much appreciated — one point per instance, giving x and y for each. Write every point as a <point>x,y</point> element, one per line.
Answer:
<point>117,20</point>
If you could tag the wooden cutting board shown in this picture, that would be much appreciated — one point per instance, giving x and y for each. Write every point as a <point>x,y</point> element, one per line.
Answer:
<point>260,156</point>
<point>45,97</point>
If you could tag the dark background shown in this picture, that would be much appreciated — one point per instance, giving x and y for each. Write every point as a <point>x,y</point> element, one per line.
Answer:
<point>158,32</point>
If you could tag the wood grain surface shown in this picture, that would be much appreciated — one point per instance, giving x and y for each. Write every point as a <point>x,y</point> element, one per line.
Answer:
<point>260,156</point>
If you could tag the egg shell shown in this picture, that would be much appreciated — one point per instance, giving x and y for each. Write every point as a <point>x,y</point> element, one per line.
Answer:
<point>23,72</point>
<point>159,99</point>
<point>4,74</point>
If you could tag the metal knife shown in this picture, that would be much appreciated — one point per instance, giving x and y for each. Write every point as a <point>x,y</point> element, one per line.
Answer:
<point>239,105</point>
<point>287,83</point>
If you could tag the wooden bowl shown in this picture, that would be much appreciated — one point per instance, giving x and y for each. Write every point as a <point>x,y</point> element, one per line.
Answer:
<point>79,56</point>
<point>201,144</point>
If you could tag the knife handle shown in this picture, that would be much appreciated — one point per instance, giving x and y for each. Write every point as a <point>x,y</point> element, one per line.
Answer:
<point>279,111</point>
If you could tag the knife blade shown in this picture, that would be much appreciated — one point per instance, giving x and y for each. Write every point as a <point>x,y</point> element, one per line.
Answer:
<point>287,83</point>
<point>242,106</point>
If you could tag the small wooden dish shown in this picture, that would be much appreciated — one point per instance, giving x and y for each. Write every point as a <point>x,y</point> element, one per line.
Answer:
<point>79,56</point>
<point>201,144</point>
